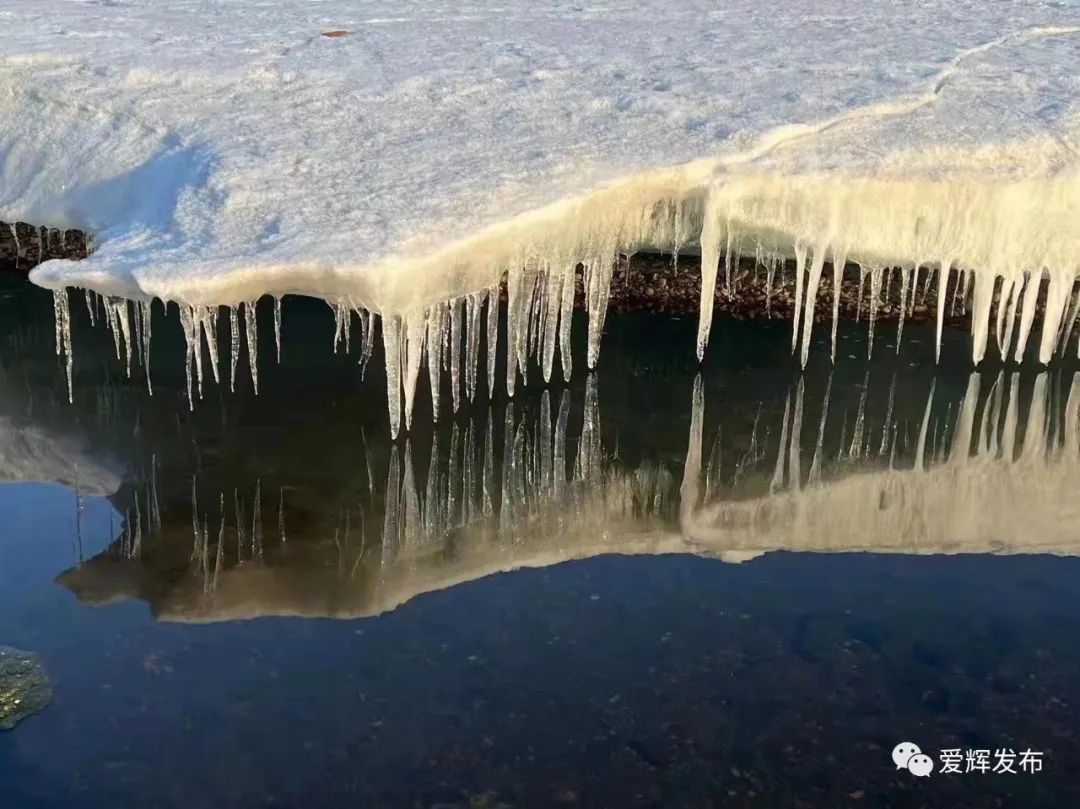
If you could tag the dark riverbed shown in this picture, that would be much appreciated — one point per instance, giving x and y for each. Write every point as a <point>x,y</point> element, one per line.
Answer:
<point>658,586</point>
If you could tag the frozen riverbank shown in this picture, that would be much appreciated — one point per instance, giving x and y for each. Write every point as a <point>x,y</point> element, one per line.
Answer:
<point>409,164</point>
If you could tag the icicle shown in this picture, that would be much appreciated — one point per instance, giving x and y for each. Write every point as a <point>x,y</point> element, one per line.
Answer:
<point>367,323</point>
<point>146,312</point>
<point>414,332</point>
<point>138,324</point>
<point>800,271</point>
<point>391,331</point>
<point>492,336</point>
<point>472,343</point>
<point>1057,299</point>
<point>914,287</point>
<point>859,295</point>
<point>770,274</point>
<point>980,322</point>
<point>187,321</point>
<point>62,316</point>
<point>1006,303</point>
<point>1030,296</point>
<point>875,298</point>
<point>1070,319</point>
<point>566,318</point>
<point>839,260</point>
<point>251,329</point>
<point>553,295</point>
<point>208,319</point>
<point>122,317</point>
<point>456,315</point>
<point>813,281</point>
<point>711,234</point>
<point>234,345</point>
<point>18,247</point>
<point>960,293</point>
<point>905,280</point>
<point>436,325</point>
<point>537,315</point>
<point>515,283</point>
<point>336,340</point>
<point>943,283</point>
<point>277,327</point>
<point>602,267</point>
<point>89,295</point>
<point>731,261</point>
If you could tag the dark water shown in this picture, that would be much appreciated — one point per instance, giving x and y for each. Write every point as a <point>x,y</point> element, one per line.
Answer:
<point>649,587</point>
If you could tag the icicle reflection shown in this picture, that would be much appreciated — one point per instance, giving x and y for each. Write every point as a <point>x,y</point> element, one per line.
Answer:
<point>874,463</point>
<point>999,476</point>
<point>538,491</point>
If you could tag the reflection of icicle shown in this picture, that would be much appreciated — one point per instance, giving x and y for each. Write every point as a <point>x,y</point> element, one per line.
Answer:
<point>887,426</point>
<point>858,430</point>
<point>62,314</point>
<point>689,492</point>
<point>795,448</point>
<point>965,422</point>
<point>777,482</point>
<point>815,465</point>
<point>920,450</point>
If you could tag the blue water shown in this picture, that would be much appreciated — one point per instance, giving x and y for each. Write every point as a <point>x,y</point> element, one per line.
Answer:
<point>614,680</point>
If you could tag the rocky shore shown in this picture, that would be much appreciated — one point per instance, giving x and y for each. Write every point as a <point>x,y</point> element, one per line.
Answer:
<point>23,246</point>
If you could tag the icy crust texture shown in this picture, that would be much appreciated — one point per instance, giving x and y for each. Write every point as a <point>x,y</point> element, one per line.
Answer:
<point>219,153</point>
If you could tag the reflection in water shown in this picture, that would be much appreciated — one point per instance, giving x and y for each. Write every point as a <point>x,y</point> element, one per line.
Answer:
<point>990,470</point>
<point>528,498</point>
<point>986,481</point>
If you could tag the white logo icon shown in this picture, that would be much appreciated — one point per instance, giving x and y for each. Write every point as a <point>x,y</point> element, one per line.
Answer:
<point>908,756</point>
<point>920,765</point>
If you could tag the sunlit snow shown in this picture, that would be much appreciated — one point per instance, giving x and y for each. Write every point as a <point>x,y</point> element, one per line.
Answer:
<point>222,151</point>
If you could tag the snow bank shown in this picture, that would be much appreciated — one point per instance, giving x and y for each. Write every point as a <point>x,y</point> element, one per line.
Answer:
<point>220,153</point>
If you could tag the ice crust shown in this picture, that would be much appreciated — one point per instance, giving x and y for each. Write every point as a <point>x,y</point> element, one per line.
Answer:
<point>221,153</point>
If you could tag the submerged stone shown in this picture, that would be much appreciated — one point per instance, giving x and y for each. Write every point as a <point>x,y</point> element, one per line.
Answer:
<point>25,688</point>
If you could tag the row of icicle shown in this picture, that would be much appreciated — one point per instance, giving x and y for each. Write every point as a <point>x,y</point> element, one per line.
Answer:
<point>540,300</point>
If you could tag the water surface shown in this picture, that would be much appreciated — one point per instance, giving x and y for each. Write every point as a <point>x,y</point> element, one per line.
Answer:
<point>657,585</point>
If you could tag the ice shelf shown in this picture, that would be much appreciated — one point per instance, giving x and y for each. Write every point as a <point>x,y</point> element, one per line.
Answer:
<point>406,169</point>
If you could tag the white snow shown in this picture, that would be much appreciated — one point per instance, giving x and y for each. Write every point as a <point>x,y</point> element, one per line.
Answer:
<point>219,152</point>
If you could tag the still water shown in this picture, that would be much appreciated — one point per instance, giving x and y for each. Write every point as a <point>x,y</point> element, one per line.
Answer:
<point>656,586</point>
